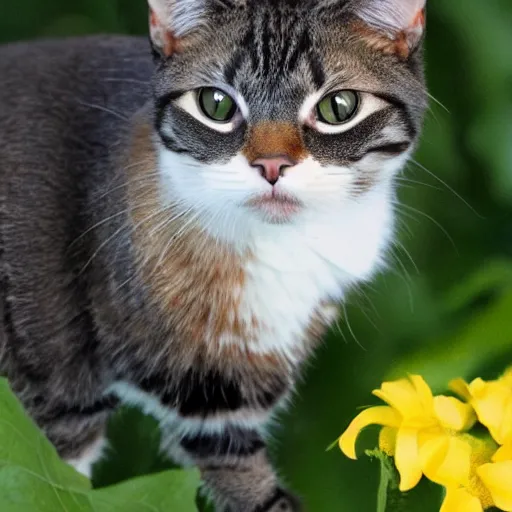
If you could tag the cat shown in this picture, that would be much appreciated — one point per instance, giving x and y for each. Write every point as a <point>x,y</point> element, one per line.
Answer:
<point>180,220</point>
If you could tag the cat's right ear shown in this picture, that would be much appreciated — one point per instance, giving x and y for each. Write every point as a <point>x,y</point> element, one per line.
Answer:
<point>398,24</point>
<point>171,20</point>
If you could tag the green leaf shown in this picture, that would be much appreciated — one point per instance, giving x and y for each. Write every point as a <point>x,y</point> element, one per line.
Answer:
<point>34,479</point>
<point>168,491</point>
<point>133,449</point>
<point>31,472</point>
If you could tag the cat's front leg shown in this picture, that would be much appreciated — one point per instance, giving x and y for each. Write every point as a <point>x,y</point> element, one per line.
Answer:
<point>235,467</point>
<point>214,418</point>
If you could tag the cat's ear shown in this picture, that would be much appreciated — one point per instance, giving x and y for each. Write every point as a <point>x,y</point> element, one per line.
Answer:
<point>402,22</point>
<point>171,20</point>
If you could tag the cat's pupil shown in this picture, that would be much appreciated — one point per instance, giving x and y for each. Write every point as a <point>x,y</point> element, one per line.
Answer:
<point>338,108</point>
<point>216,104</point>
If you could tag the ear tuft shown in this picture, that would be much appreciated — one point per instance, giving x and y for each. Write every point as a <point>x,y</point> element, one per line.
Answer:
<point>400,21</point>
<point>171,20</point>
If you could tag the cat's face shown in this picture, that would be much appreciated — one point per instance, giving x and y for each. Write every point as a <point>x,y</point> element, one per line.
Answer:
<point>273,112</point>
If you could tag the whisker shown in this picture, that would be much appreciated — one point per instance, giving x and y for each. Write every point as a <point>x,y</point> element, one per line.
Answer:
<point>115,234</point>
<point>404,226</point>
<point>420,166</point>
<point>402,179</point>
<point>419,212</point>
<point>361,307</point>
<point>398,260</point>
<point>104,109</point>
<point>401,246</point>
<point>106,220</point>
<point>102,245</point>
<point>350,328</point>
<point>127,81</point>
<point>131,278</point>
<point>175,237</point>
<point>97,225</point>
<point>340,331</point>
<point>435,100</point>
<point>145,180</point>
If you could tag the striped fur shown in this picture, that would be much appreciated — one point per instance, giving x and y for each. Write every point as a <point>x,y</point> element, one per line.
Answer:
<point>144,259</point>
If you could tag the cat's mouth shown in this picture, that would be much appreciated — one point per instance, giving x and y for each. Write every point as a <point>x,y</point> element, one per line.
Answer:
<point>276,206</point>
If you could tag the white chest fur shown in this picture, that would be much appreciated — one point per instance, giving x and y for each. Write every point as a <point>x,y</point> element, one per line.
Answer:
<point>295,268</point>
<point>286,280</point>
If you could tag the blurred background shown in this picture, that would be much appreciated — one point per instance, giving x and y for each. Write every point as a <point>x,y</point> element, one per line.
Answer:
<point>444,306</point>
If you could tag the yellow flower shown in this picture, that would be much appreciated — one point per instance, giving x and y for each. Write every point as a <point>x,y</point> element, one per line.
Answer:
<point>459,500</point>
<point>497,477</point>
<point>490,479</point>
<point>473,496</point>
<point>492,402</point>
<point>421,431</point>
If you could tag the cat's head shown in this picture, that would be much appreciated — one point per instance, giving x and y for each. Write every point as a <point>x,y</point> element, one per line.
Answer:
<point>275,112</point>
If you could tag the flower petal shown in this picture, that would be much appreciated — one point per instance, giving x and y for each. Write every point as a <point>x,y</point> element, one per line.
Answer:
<point>505,430</point>
<point>387,440</point>
<point>407,458</point>
<point>446,460</point>
<point>503,454</point>
<point>459,500</point>
<point>478,386</point>
<point>497,477</point>
<point>491,403</point>
<point>454,414</point>
<point>424,392</point>
<point>506,378</point>
<point>402,395</point>
<point>460,387</point>
<point>382,415</point>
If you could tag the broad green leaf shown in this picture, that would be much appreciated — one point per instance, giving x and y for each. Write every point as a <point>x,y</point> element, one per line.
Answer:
<point>167,492</point>
<point>32,476</point>
<point>34,479</point>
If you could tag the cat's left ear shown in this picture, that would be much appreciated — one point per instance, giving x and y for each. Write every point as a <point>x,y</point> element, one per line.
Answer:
<point>402,22</point>
<point>172,20</point>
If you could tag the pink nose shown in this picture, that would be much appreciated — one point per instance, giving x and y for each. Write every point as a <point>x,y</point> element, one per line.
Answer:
<point>272,168</point>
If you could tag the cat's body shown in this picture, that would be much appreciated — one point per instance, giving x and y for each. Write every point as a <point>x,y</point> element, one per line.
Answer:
<point>134,264</point>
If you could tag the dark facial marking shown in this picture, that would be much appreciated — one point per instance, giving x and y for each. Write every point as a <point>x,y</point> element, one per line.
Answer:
<point>353,145</point>
<point>395,148</point>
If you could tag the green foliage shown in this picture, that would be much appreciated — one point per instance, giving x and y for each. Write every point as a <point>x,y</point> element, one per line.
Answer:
<point>389,497</point>
<point>34,479</point>
<point>444,316</point>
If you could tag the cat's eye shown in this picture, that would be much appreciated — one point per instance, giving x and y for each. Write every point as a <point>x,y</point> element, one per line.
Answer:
<point>338,107</point>
<point>216,104</point>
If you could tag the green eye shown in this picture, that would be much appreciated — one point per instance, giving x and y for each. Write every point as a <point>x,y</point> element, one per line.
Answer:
<point>338,107</point>
<point>216,104</point>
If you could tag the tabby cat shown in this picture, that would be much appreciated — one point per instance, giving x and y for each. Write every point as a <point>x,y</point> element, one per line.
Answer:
<point>178,226</point>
